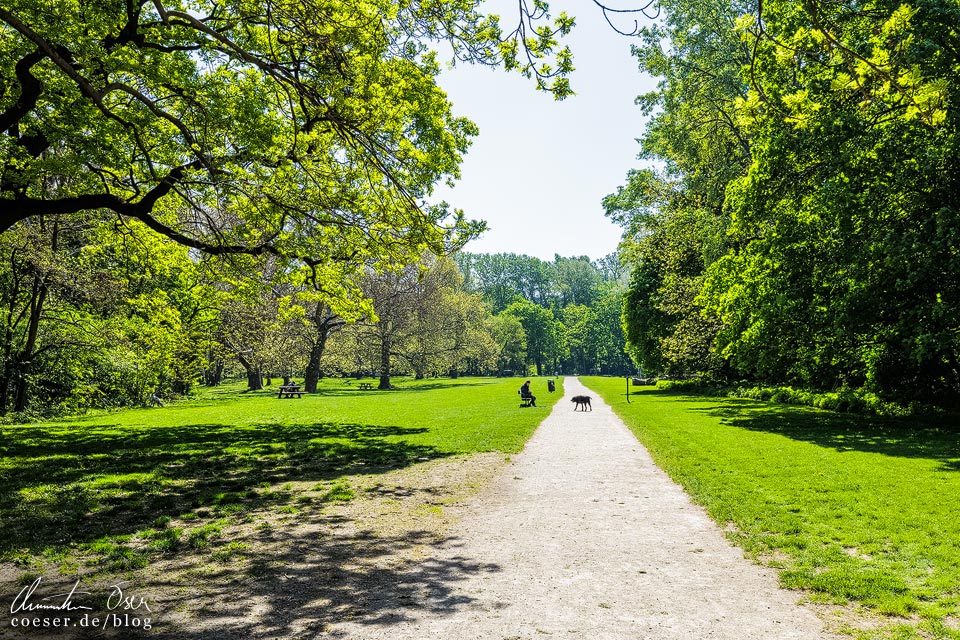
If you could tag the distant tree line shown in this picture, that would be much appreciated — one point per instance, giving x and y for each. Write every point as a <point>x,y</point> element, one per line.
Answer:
<point>569,308</point>
<point>486,314</point>
<point>95,316</point>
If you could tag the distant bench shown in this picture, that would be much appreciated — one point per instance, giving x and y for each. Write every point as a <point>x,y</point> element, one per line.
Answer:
<point>288,391</point>
<point>366,386</point>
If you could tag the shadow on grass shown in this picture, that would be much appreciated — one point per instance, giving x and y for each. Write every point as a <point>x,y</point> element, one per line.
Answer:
<point>313,584</point>
<point>898,437</point>
<point>64,485</point>
<point>296,581</point>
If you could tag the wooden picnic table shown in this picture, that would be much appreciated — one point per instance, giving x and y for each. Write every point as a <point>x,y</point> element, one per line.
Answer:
<point>288,391</point>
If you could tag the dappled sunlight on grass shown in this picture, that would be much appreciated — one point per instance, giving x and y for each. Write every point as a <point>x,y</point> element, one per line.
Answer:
<point>119,484</point>
<point>99,484</point>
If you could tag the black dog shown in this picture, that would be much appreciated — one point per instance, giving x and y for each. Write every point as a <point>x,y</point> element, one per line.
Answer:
<point>582,401</point>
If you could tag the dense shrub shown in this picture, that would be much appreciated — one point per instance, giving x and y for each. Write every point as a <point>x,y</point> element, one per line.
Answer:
<point>843,400</point>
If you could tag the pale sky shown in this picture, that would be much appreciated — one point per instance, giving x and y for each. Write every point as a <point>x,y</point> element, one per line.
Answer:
<point>539,168</point>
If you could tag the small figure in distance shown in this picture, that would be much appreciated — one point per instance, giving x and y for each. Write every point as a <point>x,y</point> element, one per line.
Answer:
<point>525,393</point>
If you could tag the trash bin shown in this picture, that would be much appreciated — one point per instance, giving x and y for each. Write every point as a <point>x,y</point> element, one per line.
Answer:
<point>551,386</point>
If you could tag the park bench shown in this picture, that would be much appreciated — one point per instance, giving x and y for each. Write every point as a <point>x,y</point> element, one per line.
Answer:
<point>366,386</point>
<point>288,391</point>
<point>525,401</point>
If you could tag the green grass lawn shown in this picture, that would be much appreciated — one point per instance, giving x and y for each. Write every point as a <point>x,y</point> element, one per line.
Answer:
<point>117,488</point>
<point>853,509</point>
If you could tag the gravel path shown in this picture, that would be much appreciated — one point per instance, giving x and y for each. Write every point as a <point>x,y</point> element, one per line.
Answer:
<point>582,536</point>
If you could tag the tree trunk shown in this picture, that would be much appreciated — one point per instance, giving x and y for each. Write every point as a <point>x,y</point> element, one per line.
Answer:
<point>312,374</point>
<point>385,346</point>
<point>419,368</point>
<point>25,360</point>
<point>326,322</point>
<point>254,378</point>
<point>6,374</point>
<point>213,374</point>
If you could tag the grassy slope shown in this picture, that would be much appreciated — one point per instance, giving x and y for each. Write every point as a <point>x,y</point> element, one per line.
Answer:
<point>93,483</point>
<point>850,508</point>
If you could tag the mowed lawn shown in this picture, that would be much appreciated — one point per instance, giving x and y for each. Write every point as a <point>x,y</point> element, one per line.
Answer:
<point>119,488</point>
<point>860,512</point>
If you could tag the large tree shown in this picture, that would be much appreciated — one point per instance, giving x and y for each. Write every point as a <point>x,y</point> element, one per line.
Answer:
<point>311,130</point>
<point>93,317</point>
<point>510,340</point>
<point>580,329</point>
<point>322,322</point>
<point>674,218</point>
<point>544,332</point>
<point>576,280</point>
<point>611,341</point>
<point>436,328</point>
<point>845,227</point>
<point>805,226</point>
<point>424,318</point>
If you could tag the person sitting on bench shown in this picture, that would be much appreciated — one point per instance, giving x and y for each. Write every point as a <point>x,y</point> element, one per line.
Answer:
<point>525,393</point>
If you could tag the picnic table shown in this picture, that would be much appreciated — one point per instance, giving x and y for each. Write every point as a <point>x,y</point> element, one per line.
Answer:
<point>288,391</point>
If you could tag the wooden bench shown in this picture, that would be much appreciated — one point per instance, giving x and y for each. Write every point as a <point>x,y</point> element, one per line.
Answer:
<point>525,401</point>
<point>288,391</point>
<point>366,386</point>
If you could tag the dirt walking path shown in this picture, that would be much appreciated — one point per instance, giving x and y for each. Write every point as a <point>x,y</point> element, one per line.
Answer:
<point>583,537</point>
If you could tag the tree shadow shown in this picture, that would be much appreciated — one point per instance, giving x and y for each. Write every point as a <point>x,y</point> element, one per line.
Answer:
<point>298,580</point>
<point>929,438</point>
<point>350,387</point>
<point>63,485</point>
<point>316,584</point>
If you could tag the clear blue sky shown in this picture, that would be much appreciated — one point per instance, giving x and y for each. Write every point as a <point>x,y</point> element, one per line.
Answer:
<point>539,168</point>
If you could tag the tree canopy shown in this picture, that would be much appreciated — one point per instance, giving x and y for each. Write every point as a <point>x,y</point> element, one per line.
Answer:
<point>804,227</point>
<point>309,130</point>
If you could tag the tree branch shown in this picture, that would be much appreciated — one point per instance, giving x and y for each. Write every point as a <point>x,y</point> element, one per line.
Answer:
<point>30,90</point>
<point>50,52</point>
